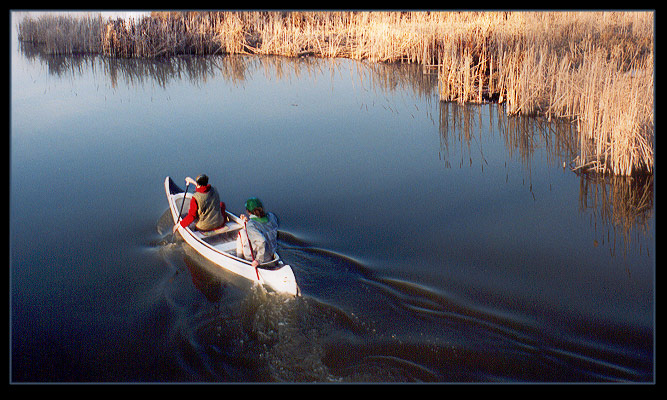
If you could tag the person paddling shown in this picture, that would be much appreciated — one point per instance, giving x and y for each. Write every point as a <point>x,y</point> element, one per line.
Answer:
<point>205,206</point>
<point>261,228</point>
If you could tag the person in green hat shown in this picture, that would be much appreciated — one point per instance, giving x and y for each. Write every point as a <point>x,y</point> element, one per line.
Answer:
<point>261,228</point>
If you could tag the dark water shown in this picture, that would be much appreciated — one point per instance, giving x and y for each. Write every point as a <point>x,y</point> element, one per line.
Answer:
<point>432,242</point>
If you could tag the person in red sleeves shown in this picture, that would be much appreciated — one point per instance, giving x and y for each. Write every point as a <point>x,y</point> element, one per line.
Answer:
<point>205,207</point>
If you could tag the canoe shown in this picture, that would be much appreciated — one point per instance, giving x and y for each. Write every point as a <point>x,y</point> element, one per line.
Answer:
<point>219,247</point>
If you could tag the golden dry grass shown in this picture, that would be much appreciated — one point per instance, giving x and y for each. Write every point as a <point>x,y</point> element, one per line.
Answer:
<point>593,68</point>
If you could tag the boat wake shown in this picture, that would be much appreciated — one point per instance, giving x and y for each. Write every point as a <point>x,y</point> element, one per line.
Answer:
<point>417,333</point>
<point>224,331</point>
<point>352,324</point>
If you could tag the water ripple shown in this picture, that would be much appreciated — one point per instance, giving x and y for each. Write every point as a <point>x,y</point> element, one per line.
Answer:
<point>354,325</point>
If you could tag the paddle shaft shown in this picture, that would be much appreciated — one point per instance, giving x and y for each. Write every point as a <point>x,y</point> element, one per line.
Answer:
<point>252,253</point>
<point>187,185</point>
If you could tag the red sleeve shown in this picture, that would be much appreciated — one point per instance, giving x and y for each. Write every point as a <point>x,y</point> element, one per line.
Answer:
<point>192,214</point>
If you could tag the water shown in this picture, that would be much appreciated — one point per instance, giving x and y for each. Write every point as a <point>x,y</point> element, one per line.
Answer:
<point>432,242</point>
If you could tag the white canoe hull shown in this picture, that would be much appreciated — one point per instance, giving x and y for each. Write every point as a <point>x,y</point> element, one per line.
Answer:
<point>221,249</point>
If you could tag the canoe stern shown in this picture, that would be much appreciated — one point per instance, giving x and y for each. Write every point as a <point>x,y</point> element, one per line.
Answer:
<point>281,280</point>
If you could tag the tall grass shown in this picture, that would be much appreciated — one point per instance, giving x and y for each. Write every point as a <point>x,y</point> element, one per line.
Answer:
<point>593,68</point>
<point>62,34</point>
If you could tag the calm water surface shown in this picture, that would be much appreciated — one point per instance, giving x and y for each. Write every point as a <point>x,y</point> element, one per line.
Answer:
<point>432,242</point>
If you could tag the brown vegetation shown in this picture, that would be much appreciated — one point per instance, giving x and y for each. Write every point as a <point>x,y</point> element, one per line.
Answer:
<point>593,68</point>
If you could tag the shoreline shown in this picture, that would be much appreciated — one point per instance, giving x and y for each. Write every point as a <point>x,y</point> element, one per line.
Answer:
<point>585,67</point>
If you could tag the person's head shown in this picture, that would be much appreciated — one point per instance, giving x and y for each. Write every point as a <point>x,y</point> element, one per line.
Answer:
<point>202,180</point>
<point>254,206</point>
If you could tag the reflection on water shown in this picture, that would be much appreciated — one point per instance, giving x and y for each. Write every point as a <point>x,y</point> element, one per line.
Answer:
<point>521,134</point>
<point>622,204</point>
<point>233,69</point>
<point>619,203</point>
<point>490,297</point>
<point>631,199</point>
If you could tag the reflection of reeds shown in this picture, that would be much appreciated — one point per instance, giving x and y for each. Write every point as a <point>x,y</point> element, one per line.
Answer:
<point>593,68</point>
<point>623,202</point>
<point>521,134</point>
<point>525,134</point>
<point>233,69</point>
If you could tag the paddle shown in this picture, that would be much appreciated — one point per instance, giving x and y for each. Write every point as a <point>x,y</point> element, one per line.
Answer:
<point>252,253</point>
<point>173,231</point>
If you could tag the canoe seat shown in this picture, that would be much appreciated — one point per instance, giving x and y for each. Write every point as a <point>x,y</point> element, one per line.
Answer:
<point>228,247</point>
<point>228,227</point>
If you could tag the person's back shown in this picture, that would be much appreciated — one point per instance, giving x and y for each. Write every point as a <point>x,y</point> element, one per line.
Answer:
<point>205,206</point>
<point>262,230</point>
<point>267,227</point>
<point>208,209</point>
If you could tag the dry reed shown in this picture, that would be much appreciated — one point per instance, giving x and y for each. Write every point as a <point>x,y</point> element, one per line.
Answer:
<point>593,68</point>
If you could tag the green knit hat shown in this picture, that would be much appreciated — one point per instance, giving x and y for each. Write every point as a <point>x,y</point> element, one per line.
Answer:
<point>253,203</point>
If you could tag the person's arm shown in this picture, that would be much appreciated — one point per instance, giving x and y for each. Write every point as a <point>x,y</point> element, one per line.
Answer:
<point>192,214</point>
<point>260,248</point>
<point>258,242</point>
<point>245,248</point>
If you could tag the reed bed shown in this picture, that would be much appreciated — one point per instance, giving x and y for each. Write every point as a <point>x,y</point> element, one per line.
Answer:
<point>595,69</point>
<point>62,34</point>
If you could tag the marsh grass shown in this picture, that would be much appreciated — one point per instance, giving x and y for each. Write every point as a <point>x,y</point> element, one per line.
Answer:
<point>594,69</point>
<point>62,34</point>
